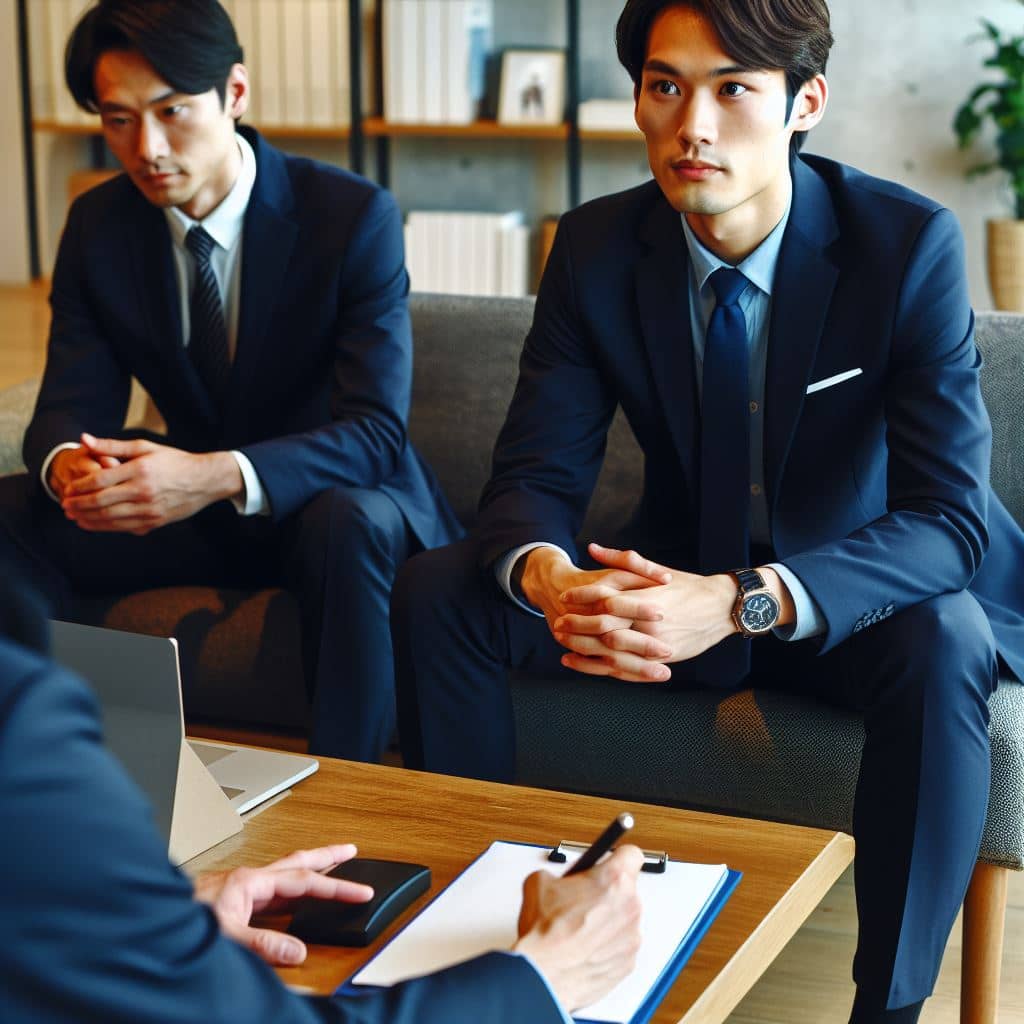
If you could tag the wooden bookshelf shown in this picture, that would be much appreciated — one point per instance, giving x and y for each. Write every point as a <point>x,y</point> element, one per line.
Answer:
<point>377,127</point>
<point>610,135</point>
<point>68,127</point>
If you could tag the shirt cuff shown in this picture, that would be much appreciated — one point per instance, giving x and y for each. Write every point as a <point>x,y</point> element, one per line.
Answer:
<point>254,502</point>
<point>509,952</point>
<point>504,566</point>
<point>810,621</point>
<point>44,473</point>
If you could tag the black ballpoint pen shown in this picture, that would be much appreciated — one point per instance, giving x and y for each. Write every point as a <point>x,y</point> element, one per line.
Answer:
<point>602,844</point>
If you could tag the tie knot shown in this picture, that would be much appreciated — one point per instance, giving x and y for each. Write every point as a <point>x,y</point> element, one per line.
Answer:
<point>727,284</point>
<point>200,244</point>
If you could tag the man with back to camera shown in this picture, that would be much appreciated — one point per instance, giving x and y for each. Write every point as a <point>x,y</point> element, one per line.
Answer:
<point>114,932</point>
<point>261,301</point>
<point>792,344</point>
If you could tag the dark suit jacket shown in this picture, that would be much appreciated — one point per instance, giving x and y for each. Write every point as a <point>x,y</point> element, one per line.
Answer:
<point>98,926</point>
<point>319,389</point>
<point>877,487</point>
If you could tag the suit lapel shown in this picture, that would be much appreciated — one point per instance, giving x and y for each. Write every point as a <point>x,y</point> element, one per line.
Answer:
<point>804,281</point>
<point>159,301</point>
<point>662,289</point>
<point>268,239</point>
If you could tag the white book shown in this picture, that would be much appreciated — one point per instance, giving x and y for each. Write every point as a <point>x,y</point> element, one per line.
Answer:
<point>245,28</point>
<point>515,251</point>
<point>391,47</point>
<point>486,232</point>
<point>412,263</point>
<point>431,60</point>
<point>458,108</point>
<point>58,24</point>
<point>341,86</point>
<point>76,9</point>
<point>43,87</point>
<point>480,30</point>
<point>613,115</point>
<point>270,86</point>
<point>410,103</point>
<point>321,46</point>
<point>294,60</point>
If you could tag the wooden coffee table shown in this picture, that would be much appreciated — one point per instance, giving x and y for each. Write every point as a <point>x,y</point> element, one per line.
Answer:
<point>445,822</point>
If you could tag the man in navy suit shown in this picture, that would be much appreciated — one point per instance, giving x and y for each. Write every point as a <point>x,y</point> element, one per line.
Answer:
<point>792,344</point>
<point>261,301</point>
<point>99,926</point>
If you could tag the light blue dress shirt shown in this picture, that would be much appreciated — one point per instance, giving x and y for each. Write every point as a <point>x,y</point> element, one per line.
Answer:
<point>756,303</point>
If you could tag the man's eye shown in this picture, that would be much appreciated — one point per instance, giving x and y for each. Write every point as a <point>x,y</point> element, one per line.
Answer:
<point>665,87</point>
<point>174,111</point>
<point>733,89</point>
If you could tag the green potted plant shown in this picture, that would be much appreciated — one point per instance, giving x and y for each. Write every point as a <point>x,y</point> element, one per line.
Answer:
<point>1002,103</point>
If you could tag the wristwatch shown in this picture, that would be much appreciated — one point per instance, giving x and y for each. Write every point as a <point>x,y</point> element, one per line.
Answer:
<point>756,610</point>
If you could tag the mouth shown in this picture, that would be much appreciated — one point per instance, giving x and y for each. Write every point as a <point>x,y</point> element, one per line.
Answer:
<point>157,178</point>
<point>695,170</point>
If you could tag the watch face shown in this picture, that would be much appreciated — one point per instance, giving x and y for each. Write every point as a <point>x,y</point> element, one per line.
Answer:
<point>759,613</point>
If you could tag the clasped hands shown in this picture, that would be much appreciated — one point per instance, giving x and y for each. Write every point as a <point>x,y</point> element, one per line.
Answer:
<point>109,485</point>
<point>632,618</point>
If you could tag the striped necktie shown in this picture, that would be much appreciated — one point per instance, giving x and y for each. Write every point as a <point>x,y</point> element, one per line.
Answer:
<point>208,339</point>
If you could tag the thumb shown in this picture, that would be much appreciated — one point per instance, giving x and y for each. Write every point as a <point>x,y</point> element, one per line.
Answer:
<point>276,948</point>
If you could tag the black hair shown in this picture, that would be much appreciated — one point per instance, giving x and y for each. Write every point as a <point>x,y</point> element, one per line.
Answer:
<point>793,36</point>
<point>190,43</point>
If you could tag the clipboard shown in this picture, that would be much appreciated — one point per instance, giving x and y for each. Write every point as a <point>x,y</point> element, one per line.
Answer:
<point>459,924</point>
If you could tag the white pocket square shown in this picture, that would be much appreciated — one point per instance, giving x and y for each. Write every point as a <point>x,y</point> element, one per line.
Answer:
<point>829,382</point>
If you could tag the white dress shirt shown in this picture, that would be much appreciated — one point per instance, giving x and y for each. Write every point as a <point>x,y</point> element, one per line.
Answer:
<point>224,226</point>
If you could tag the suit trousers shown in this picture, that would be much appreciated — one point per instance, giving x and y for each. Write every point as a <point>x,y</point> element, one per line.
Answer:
<point>337,555</point>
<point>921,679</point>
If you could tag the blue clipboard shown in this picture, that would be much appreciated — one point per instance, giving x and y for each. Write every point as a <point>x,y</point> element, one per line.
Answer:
<point>672,969</point>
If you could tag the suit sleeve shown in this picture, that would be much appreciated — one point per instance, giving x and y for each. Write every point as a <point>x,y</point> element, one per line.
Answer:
<point>933,536</point>
<point>549,452</point>
<point>371,377</point>
<point>84,387</point>
<point>98,926</point>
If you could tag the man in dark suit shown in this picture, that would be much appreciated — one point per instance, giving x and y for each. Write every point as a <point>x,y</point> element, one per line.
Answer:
<point>99,926</point>
<point>261,301</point>
<point>792,344</point>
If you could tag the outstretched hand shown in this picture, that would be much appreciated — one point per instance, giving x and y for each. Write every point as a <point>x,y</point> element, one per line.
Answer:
<point>235,896</point>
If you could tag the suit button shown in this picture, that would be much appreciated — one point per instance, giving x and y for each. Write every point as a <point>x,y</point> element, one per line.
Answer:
<point>754,407</point>
<point>755,489</point>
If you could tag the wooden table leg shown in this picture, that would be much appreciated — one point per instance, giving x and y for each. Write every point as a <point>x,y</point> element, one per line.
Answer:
<point>984,918</point>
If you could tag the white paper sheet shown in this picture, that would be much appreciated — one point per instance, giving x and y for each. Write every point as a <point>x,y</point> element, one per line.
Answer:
<point>479,910</point>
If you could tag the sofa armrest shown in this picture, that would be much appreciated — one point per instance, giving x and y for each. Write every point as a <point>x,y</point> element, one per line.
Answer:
<point>16,404</point>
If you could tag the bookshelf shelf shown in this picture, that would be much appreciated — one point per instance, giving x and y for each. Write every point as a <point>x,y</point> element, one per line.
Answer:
<point>610,135</point>
<point>272,131</point>
<point>377,127</point>
<point>67,128</point>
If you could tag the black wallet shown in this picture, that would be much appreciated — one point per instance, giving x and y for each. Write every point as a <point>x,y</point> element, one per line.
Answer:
<point>395,885</point>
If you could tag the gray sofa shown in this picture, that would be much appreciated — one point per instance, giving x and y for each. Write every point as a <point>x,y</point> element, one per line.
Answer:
<point>751,753</point>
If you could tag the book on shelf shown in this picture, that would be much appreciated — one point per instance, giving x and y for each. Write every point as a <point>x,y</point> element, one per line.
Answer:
<point>267,76</point>
<point>607,115</point>
<point>435,55</point>
<point>294,61</point>
<point>467,253</point>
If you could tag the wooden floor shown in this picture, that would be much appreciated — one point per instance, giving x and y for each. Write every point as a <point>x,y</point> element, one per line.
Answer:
<point>809,983</point>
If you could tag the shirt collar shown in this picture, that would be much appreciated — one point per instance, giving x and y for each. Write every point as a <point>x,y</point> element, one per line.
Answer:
<point>758,267</point>
<point>224,223</point>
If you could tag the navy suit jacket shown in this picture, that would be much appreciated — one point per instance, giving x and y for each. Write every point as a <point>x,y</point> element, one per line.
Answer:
<point>98,926</point>
<point>320,385</point>
<point>878,488</point>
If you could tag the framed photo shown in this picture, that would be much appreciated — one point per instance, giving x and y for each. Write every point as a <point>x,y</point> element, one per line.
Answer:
<point>532,87</point>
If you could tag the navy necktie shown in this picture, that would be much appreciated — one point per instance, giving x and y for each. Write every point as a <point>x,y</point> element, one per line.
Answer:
<point>208,337</point>
<point>725,460</point>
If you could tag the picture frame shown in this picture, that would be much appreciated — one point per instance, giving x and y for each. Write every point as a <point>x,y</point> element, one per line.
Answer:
<point>532,87</point>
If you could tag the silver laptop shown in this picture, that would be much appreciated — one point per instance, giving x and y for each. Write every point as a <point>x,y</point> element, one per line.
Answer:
<point>138,683</point>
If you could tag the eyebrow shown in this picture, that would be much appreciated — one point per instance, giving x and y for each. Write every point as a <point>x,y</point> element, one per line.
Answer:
<point>109,107</point>
<point>668,69</point>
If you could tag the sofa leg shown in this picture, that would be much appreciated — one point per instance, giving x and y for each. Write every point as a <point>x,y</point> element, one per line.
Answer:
<point>982,954</point>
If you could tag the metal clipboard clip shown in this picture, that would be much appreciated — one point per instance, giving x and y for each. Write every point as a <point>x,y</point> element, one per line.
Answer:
<point>654,860</point>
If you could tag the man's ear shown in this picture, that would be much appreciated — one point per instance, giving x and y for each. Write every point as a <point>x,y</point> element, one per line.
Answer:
<point>809,104</point>
<point>236,95</point>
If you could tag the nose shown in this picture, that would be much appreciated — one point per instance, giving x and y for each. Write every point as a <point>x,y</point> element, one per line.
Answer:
<point>152,140</point>
<point>696,125</point>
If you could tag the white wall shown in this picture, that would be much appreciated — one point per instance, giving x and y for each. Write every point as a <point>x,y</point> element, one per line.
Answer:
<point>14,262</point>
